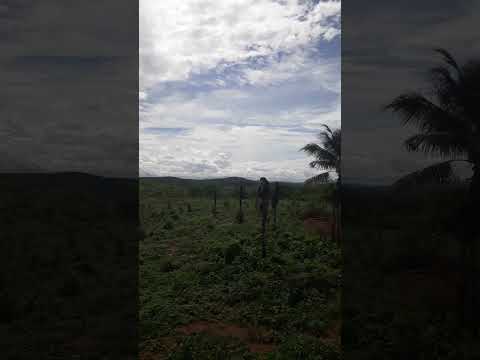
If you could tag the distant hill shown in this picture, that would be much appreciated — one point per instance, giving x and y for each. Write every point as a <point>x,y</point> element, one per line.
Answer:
<point>64,181</point>
<point>228,181</point>
<point>180,188</point>
<point>69,193</point>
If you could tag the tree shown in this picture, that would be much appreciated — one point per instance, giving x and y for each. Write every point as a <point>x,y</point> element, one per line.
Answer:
<point>327,156</point>
<point>448,121</point>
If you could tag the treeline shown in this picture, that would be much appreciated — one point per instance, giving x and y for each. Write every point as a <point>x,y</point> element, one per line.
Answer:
<point>162,188</point>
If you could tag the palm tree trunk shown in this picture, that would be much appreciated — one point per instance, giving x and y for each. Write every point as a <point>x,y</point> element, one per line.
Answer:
<point>466,289</point>
<point>215,202</point>
<point>469,295</point>
<point>275,217</point>
<point>338,213</point>
<point>339,223</point>
<point>240,194</point>
<point>264,223</point>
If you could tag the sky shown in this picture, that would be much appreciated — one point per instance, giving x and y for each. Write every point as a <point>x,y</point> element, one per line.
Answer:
<point>225,87</point>
<point>69,95</point>
<point>378,65</point>
<point>236,87</point>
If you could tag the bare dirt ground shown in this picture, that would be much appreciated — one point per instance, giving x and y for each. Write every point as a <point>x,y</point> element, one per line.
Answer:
<point>258,340</point>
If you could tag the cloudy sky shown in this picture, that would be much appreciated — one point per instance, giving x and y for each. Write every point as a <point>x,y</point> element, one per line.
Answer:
<point>387,49</point>
<point>236,87</point>
<point>68,100</point>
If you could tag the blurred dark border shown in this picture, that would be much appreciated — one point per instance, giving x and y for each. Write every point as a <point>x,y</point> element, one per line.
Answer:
<point>69,225</point>
<point>410,279</point>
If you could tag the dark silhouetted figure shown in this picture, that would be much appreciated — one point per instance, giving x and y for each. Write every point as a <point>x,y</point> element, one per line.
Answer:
<point>262,204</point>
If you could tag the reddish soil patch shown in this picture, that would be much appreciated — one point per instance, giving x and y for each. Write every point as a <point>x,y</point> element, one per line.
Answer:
<point>320,225</point>
<point>258,340</point>
<point>148,355</point>
<point>83,344</point>
<point>261,348</point>
<point>333,333</point>
<point>169,248</point>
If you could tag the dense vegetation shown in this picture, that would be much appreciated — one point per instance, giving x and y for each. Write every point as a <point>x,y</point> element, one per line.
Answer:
<point>68,256</point>
<point>402,274</point>
<point>206,292</point>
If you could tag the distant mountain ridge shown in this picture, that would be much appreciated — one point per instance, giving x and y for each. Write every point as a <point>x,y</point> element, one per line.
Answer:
<point>232,180</point>
<point>68,183</point>
<point>59,177</point>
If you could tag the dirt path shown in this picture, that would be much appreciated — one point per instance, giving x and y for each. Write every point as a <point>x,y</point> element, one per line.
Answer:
<point>258,340</point>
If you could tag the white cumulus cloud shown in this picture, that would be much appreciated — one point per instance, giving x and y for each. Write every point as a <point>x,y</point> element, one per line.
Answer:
<point>179,38</point>
<point>236,87</point>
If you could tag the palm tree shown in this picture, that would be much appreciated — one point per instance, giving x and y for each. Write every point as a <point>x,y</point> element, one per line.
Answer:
<point>448,121</point>
<point>327,156</point>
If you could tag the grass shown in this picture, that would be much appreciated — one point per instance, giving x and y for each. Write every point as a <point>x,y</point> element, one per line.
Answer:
<point>68,256</point>
<point>401,275</point>
<point>206,292</point>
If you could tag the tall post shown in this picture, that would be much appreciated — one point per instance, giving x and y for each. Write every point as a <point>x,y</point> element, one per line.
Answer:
<point>215,199</point>
<point>275,199</point>
<point>241,194</point>
<point>264,245</point>
<point>263,199</point>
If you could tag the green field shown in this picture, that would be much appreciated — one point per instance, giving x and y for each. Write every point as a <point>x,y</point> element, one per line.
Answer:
<point>205,290</point>
<point>402,272</point>
<point>68,256</point>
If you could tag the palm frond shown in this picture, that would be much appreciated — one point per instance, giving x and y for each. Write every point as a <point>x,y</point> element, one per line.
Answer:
<point>327,154</point>
<point>447,118</point>
<point>325,138</point>
<point>445,88</point>
<point>445,144</point>
<point>327,128</point>
<point>337,142</point>
<point>318,152</point>
<point>320,179</point>
<point>448,58</point>
<point>440,173</point>
<point>311,149</point>
<point>442,77</point>
<point>416,109</point>
<point>323,164</point>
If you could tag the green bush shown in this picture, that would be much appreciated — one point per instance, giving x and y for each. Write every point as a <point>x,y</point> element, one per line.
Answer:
<point>168,225</point>
<point>239,217</point>
<point>231,252</point>
<point>303,347</point>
